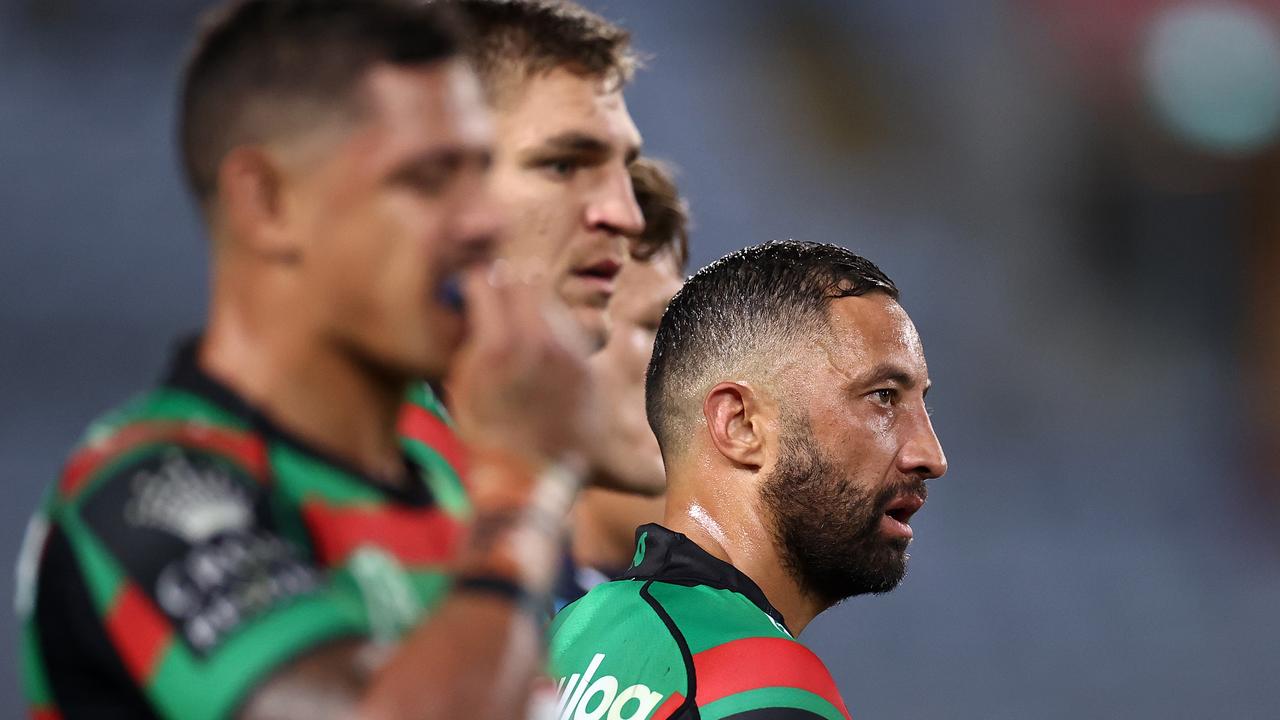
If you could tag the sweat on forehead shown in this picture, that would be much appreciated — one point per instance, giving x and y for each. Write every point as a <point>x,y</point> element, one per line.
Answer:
<point>743,310</point>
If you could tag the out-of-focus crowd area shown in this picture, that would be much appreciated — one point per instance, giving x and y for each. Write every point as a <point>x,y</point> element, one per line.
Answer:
<point>1080,200</point>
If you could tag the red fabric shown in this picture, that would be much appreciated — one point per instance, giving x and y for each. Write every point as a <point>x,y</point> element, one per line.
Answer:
<point>138,631</point>
<point>665,710</point>
<point>42,713</point>
<point>242,446</point>
<point>426,536</point>
<point>752,663</point>
<point>418,423</point>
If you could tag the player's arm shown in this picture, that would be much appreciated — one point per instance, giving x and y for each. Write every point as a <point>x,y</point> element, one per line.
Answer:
<point>522,397</point>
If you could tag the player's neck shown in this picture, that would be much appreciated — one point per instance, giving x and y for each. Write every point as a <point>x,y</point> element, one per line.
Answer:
<point>730,527</point>
<point>312,390</point>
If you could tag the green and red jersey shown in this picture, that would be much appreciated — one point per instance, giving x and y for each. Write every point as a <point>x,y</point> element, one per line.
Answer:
<point>191,548</point>
<point>684,635</point>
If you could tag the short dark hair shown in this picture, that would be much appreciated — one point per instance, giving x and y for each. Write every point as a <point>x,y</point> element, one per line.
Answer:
<point>749,305</point>
<point>268,69</point>
<point>666,214</point>
<point>513,40</point>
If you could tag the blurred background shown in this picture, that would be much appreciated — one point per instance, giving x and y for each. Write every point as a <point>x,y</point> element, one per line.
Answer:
<point>1079,199</point>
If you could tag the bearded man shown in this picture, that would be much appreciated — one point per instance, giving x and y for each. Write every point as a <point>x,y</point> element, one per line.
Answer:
<point>786,391</point>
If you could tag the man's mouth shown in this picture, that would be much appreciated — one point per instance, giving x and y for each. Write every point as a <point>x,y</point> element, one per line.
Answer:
<point>604,270</point>
<point>600,275</point>
<point>897,515</point>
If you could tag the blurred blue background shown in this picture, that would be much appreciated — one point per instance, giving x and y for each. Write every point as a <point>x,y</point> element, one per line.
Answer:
<point>1078,198</point>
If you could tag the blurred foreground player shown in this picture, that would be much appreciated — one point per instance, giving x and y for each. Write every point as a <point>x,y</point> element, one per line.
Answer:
<point>787,391</point>
<point>604,520</point>
<point>249,539</point>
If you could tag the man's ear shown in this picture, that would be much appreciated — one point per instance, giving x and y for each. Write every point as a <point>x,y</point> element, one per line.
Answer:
<point>736,423</point>
<point>251,196</point>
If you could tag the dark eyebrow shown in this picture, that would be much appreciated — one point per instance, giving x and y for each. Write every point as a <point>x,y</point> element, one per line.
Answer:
<point>574,141</point>
<point>445,160</point>
<point>581,143</point>
<point>888,372</point>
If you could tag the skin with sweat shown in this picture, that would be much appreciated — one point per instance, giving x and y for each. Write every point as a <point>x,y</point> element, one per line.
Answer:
<point>860,389</point>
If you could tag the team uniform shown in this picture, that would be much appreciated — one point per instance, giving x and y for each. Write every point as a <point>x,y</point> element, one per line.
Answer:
<point>191,548</point>
<point>682,635</point>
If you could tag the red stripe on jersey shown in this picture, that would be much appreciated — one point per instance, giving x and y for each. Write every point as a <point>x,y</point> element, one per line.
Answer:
<point>418,423</point>
<point>245,448</point>
<point>45,713</point>
<point>760,662</point>
<point>426,536</point>
<point>666,709</point>
<point>138,631</point>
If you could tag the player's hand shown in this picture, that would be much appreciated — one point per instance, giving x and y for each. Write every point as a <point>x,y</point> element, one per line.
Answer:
<point>521,385</point>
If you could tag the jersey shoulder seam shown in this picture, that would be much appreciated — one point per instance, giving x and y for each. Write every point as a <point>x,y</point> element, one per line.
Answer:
<point>689,708</point>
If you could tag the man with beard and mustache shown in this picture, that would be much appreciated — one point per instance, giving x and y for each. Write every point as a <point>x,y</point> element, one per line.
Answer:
<point>786,391</point>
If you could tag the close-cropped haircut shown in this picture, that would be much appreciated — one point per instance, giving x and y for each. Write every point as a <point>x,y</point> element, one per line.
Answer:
<point>514,40</point>
<point>749,307</point>
<point>262,70</point>
<point>666,214</point>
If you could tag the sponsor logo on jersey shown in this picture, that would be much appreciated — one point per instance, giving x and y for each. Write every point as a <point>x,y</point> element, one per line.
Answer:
<point>639,556</point>
<point>583,696</point>
<point>195,533</point>
<point>188,502</point>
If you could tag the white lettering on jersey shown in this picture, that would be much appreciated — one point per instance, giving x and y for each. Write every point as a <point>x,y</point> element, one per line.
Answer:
<point>586,697</point>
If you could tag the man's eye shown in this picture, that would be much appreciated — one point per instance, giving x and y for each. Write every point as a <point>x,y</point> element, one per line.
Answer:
<point>560,168</point>
<point>885,395</point>
<point>426,182</point>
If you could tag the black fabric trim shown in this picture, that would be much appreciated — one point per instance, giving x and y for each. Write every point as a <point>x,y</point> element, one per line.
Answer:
<point>87,678</point>
<point>186,374</point>
<point>673,558</point>
<point>690,704</point>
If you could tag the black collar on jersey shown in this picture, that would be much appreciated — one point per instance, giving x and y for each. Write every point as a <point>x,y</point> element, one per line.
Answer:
<point>671,557</point>
<point>186,374</point>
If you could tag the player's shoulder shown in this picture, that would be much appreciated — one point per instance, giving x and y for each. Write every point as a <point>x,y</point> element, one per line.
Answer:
<point>742,661</point>
<point>612,654</point>
<point>685,651</point>
<point>708,616</point>
<point>166,432</point>
<point>612,609</point>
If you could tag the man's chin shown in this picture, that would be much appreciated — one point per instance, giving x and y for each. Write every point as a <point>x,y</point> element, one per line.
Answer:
<point>594,325</point>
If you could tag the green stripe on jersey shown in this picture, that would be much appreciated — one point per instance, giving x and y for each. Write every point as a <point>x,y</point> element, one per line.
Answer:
<point>303,477</point>
<point>442,479</point>
<point>35,686</point>
<point>102,574</point>
<point>247,658</point>
<point>421,394</point>
<point>164,405</point>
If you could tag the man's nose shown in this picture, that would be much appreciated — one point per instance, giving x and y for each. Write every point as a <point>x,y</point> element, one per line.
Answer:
<point>614,209</point>
<point>922,454</point>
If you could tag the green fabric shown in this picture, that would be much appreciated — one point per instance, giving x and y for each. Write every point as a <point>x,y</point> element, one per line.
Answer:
<point>372,595</point>
<point>621,640</point>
